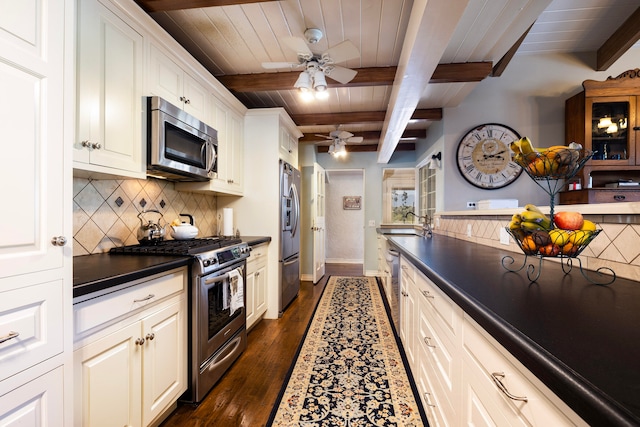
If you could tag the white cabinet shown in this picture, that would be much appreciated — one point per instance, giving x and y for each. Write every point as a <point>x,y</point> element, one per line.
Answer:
<point>289,146</point>
<point>463,375</point>
<point>168,80</point>
<point>256,284</point>
<point>140,332</point>
<point>36,82</point>
<point>385,265</point>
<point>109,138</point>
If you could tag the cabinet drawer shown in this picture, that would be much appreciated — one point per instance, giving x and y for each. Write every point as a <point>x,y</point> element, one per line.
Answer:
<point>487,358</point>
<point>445,309</point>
<point>31,323</point>
<point>407,270</point>
<point>258,258</point>
<point>95,312</point>
<point>599,196</point>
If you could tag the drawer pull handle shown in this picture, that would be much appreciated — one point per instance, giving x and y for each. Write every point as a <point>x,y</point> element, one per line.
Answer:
<point>150,336</point>
<point>619,197</point>
<point>426,341</point>
<point>497,377</point>
<point>11,335</point>
<point>427,294</point>
<point>428,400</point>
<point>139,341</point>
<point>147,298</point>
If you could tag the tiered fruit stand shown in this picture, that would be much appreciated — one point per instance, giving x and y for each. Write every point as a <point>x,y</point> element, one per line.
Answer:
<point>550,171</point>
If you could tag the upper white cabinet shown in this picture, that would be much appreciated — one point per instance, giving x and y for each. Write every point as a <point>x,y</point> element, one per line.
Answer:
<point>170,81</point>
<point>36,82</point>
<point>109,138</point>
<point>289,146</point>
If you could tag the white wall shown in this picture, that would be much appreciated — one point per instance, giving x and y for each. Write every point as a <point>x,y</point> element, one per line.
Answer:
<point>344,228</point>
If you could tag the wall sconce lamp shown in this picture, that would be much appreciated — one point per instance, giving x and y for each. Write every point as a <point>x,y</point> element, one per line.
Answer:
<point>434,163</point>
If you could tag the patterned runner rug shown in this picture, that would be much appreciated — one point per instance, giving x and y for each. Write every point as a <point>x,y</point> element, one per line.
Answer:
<point>349,371</point>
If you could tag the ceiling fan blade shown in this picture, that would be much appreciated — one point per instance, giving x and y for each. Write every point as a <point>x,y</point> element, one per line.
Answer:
<point>341,52</point>
<point>273,65</point>
<point>343,134</point>
<point>324,136</point>
<point>341,74</point>
<point>355,139</point>
<point>298,45</point>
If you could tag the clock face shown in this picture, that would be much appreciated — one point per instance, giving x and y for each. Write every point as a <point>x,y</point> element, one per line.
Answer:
<point>484,156</point>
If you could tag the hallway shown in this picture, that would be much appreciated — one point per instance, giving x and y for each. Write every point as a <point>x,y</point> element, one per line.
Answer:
<point>245,395</point>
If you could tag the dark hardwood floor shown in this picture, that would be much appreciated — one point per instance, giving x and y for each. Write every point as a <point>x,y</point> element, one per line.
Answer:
<point>248,391</point>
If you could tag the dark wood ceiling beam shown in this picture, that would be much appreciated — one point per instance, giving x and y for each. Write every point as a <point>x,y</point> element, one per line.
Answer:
<point>363,148</point>
<point>619,42</point>
<point>374,76</point>
<point>165,5</point>
<point>507,57</point>
<point>370,135</point>
<point>433,114</point>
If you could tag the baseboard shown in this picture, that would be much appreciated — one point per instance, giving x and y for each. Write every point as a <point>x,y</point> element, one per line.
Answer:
<point>343,261</point>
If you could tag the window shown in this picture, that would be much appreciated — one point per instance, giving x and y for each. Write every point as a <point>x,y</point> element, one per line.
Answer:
<point>398,195</point>
<point>427,191</point>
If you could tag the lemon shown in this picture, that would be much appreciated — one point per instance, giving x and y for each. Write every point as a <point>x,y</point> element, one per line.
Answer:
<point>588,226</point>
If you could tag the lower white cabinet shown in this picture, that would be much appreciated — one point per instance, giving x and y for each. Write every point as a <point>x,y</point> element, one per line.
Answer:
<point>463,375</point>
<point>256,284</point>
<point>131,369</point>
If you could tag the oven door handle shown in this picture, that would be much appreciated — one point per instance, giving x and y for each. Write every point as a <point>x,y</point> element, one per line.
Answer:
<point>222,277</point>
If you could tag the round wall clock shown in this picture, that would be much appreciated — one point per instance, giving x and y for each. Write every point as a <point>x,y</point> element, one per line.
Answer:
<point>484,156</point>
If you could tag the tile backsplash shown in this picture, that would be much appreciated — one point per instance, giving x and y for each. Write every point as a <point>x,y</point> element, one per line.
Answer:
<point>105,211</point>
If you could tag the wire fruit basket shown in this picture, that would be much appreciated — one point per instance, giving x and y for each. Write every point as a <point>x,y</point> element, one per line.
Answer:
<point>550,169</point>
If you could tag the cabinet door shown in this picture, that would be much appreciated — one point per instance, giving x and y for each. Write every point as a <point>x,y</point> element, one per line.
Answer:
<point>107,380</point>
<point>250,286</point>
<point>38,403</point>
<point>110,104</point>
<point>610,122</point>
<point>164,363</point>
<point>32,173</point>
<point>235,160</point>
<point>261,291</point>
<point>165,77</point>
<point>196,98</point>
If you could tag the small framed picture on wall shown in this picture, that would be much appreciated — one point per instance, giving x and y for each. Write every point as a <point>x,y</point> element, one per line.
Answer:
<point>351,202</point>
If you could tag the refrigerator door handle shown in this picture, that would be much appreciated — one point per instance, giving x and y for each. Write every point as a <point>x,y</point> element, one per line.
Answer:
<point>291,261</point>
<point>296,211</point>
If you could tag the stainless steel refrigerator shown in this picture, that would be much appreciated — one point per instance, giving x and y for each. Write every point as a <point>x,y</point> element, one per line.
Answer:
<point>289,234</point>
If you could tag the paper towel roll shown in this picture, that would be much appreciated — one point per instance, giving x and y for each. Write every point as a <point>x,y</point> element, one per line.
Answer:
<point>227,222</point>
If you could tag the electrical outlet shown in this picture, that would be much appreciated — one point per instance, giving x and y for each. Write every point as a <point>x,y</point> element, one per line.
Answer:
<point>504,236</point>
<point>438,222</point>
<point>372,223</point>
<point>468,230</point>
<point>471,205</point>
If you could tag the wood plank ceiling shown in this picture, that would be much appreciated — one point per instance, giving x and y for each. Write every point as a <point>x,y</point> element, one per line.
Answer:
<point>416,56</point>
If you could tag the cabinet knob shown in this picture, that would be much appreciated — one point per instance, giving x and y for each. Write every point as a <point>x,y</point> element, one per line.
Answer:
<point>427,294</point>
<point>150,336</point>
<point>619,197</point>
<point>91,145</point>
<point>636,128</point>
<point>428,399</point>
<point>428,343</point>
<point>139,341</point>
<point>59,241</point>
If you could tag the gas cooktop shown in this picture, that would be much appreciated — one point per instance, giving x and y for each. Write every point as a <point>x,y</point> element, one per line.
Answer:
<point>178,247</point>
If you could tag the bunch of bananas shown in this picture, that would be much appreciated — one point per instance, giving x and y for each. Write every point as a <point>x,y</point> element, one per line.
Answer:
<point>531,219</point>
<point>549,161</point>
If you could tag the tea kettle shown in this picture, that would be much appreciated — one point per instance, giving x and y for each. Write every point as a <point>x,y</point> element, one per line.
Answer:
<point>150,232</point>
<point>183,230</point>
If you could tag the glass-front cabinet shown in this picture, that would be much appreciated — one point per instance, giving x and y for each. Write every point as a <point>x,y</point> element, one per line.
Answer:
<point>603,118</point>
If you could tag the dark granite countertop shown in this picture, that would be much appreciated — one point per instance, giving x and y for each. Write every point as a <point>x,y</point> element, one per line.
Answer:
<point>93,273</point>
<point>582,340</point>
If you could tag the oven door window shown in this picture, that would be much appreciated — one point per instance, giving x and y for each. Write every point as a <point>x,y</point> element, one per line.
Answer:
<point>225,303</point>
<point>184,147</point>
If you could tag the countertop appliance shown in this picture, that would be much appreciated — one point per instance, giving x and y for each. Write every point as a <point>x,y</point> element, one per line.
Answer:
<point>289,260</point>
<point>217,317</point>
<point>180,147</point>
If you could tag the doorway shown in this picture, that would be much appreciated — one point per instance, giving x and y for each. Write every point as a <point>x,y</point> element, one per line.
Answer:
<point>344,216</point>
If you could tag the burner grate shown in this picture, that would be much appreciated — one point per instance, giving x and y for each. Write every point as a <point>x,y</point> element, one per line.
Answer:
<point>177,247</point>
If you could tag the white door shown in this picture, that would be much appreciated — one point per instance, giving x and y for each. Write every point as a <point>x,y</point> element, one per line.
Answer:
<point>317,222</point>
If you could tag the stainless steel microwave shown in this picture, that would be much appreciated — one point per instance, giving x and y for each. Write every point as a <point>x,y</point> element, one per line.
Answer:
<point>180,147</point>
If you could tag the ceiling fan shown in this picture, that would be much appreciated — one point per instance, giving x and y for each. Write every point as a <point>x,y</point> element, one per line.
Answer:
<point>339,140</point>
<point>317,66</point>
